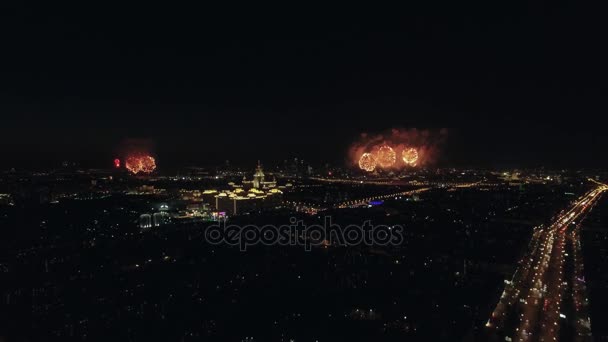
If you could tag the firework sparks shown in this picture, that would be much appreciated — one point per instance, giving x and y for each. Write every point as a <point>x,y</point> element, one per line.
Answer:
<point>396,149</point>
<point>410,156</point>
<point>367,162</point>
<point>386,156</point>
<point>140,163</point>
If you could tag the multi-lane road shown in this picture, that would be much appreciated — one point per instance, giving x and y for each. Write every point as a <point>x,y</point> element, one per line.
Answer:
<point>546,298</point>
<point>312,208</point>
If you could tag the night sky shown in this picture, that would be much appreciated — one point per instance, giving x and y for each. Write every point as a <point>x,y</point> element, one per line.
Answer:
<point>515,84</point>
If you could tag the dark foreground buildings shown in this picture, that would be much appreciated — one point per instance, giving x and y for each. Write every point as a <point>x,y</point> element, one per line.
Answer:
<point>80,268</point>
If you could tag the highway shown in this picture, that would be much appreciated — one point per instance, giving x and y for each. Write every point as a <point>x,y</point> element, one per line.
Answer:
<point>312,208</point>
<point>546,298</point>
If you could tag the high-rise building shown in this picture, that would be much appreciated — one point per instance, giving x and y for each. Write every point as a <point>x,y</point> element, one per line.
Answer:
<point>259,180</point>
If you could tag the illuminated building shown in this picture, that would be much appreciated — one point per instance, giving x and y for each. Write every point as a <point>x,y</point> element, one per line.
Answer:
<point>145,221</point>
<point>159,219</point>
<point>6,199</point>
<point>251,195</point>
<point>259,180</point>
<point>241,201</point>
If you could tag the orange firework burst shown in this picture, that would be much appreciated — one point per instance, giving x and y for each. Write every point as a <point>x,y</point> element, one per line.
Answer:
<point>140,163</point>
<point>367,162</point>
<point>386,156</point>
<point>148,164</point>
<point>413,148</point>
<point>410,156</point>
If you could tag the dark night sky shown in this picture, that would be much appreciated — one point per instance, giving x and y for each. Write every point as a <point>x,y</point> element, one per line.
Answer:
<point>514,84</point>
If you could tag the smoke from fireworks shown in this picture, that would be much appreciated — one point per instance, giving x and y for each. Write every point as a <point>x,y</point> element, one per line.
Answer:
<point>415,147</point>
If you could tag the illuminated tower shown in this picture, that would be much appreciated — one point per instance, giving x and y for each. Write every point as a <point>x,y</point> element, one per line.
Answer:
<point>258,176</point>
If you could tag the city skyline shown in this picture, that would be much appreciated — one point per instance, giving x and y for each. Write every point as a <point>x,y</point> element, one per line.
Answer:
<point>430,172</point>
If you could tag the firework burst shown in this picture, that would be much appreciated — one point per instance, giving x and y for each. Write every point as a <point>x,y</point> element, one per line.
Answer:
<point>410,156</point>
<point>386,156</point>
<point>140,164</point>
<point>367,162</point>
<point>397,149</point>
